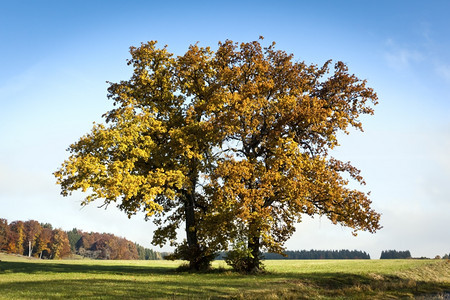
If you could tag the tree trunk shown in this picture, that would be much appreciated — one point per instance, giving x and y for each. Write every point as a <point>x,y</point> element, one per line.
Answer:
<point>254,262</point>
<point>191,230</point>
<point>199,257</point>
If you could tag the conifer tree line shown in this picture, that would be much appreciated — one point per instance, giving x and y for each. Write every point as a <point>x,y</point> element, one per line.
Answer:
<point>41,240</point>
<point>320,254</point>
<point>394,254</point>
<point>311,254</point>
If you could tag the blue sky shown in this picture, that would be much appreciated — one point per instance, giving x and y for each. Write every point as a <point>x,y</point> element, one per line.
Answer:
<point>56,56</point>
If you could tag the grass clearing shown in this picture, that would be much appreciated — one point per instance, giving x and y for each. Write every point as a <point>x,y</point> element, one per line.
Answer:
<point>22,278</point>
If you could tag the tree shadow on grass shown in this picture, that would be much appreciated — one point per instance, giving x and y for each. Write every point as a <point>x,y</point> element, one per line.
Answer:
<point>32,268</point>
<point>112,282</point>
<point>109,289</point>
<point>363,285</point>
<point>143,282</point>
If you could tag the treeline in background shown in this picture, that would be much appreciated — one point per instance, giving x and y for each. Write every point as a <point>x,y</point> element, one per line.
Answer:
<point>320,254</point>
<point>34,239</point>
<point>41,240</point>
<point>394,254</point>
<point>343,254</point>
<point>314,254</point>
<point>96,245</point>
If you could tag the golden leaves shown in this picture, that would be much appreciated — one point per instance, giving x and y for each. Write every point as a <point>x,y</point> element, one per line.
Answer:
<point>254,122</point>
<point>282,118</point>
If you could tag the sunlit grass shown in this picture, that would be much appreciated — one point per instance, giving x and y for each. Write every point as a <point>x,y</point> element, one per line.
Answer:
<point>22,278</point>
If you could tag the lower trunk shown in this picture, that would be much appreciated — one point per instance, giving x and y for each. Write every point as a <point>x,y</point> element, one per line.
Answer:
<point>254,264</point>
<point>191,230</point>
<point>195,254</point>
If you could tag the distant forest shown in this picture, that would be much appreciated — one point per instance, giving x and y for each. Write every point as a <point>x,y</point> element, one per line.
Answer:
<point>320,254</point>
<point>31,238</point>
<point>313,254</point>
<point>394,254</point>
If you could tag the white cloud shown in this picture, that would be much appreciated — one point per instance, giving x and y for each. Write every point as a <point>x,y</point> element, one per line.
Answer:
<point>443,71</point>
<point>400,58</point>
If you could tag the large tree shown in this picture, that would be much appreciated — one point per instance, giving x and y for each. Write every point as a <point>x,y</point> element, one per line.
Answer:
<point>154,148</point>
<point>280,120</point>
<point>234,143</point>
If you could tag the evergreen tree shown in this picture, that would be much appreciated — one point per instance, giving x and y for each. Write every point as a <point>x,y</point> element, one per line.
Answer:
<point>74,236</point>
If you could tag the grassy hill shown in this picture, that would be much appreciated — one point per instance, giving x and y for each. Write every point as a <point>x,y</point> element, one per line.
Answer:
<point>21,278</point>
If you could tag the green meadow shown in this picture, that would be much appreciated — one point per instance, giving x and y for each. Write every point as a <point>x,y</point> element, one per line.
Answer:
<point>24,278</point>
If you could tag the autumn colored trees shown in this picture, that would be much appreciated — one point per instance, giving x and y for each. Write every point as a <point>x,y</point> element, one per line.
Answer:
<point>32,238</point>
<point>4,233</point>
<point>280,122</point>
<point>96,245</point>
<point>233,143</point>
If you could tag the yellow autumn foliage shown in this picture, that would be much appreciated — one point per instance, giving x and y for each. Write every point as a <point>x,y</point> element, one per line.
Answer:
<point>234,143</point>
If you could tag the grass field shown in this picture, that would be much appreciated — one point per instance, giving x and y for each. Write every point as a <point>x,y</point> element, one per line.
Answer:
<point>23,278</point>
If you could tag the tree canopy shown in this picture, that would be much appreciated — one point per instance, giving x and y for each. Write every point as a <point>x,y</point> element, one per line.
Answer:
<point>280,121</point>
<point>234,143</point>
